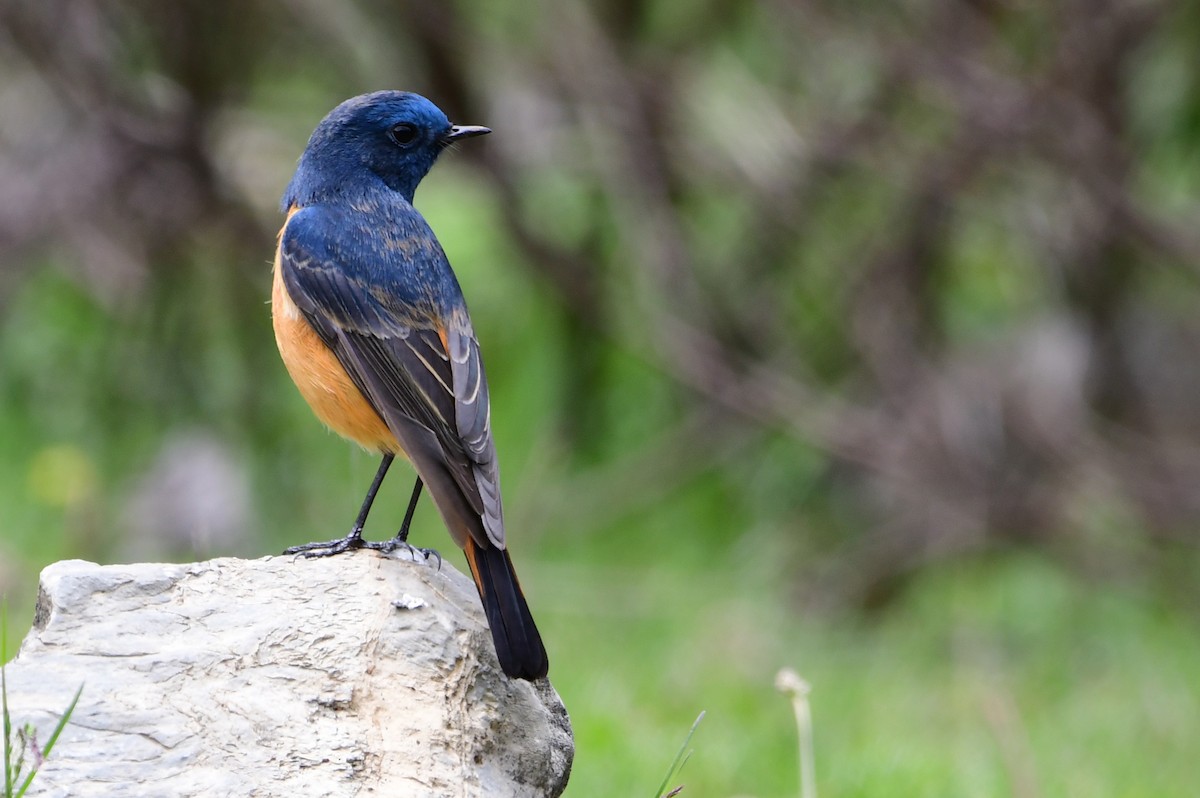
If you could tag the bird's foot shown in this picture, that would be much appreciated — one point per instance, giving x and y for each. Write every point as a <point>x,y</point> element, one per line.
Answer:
<point>354,540</point>
<point>329,548</point>
<point>400,544</point>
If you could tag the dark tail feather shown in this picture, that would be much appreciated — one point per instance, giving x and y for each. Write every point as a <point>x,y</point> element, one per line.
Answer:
<point>518,644</point>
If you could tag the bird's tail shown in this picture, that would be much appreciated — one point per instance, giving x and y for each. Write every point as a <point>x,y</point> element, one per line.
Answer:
<point>518,644</point>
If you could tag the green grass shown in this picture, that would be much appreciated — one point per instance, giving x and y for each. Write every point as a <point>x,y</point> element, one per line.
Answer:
<point>681,758</point>
<point>23,755</point>
<point>984,676</point>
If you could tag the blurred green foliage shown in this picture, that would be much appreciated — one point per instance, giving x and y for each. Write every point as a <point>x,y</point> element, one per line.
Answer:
<point>860,339</point>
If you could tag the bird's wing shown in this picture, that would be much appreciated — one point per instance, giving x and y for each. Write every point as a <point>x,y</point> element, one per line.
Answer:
<point>390,310</point>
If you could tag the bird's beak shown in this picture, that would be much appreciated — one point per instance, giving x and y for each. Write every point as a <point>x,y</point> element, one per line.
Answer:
<point>465,132</point>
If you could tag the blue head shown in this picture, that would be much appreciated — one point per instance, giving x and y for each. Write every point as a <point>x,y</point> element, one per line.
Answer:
<point>388,137</point>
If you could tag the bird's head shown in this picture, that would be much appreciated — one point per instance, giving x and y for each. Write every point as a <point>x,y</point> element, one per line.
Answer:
<point>394,136</point>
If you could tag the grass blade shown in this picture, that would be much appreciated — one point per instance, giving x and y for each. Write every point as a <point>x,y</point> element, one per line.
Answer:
<point>680,759</point>
<point>62,723</point>
<point>8,774</point>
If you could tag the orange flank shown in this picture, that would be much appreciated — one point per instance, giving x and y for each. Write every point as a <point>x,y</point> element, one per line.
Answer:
<point>322,381</point>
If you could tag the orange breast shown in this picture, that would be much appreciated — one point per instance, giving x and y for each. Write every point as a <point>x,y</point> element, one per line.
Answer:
<point>322,381</point>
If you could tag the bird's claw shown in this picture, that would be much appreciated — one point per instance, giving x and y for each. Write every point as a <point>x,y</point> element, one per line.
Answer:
<point>354,541</point>
<point>389,546</point>
<point>328,548</point>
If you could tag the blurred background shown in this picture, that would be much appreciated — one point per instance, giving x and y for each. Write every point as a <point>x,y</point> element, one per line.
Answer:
<point>860,338</point>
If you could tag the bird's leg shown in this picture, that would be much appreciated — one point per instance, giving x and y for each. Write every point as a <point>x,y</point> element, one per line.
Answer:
<point>354,539</point>
<point>401,539</point>
<point>361,521</point>
<point>402,535</point>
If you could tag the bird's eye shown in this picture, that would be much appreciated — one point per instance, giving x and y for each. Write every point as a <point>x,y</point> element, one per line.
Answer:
<point>403,134</point>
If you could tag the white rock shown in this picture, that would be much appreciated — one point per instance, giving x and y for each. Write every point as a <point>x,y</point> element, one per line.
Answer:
<point>352,675</point>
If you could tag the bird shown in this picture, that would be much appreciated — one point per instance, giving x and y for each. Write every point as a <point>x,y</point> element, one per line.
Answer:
<point>372,326</point>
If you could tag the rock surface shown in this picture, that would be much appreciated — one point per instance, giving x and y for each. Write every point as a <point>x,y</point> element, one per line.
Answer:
<point>353,675</point>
